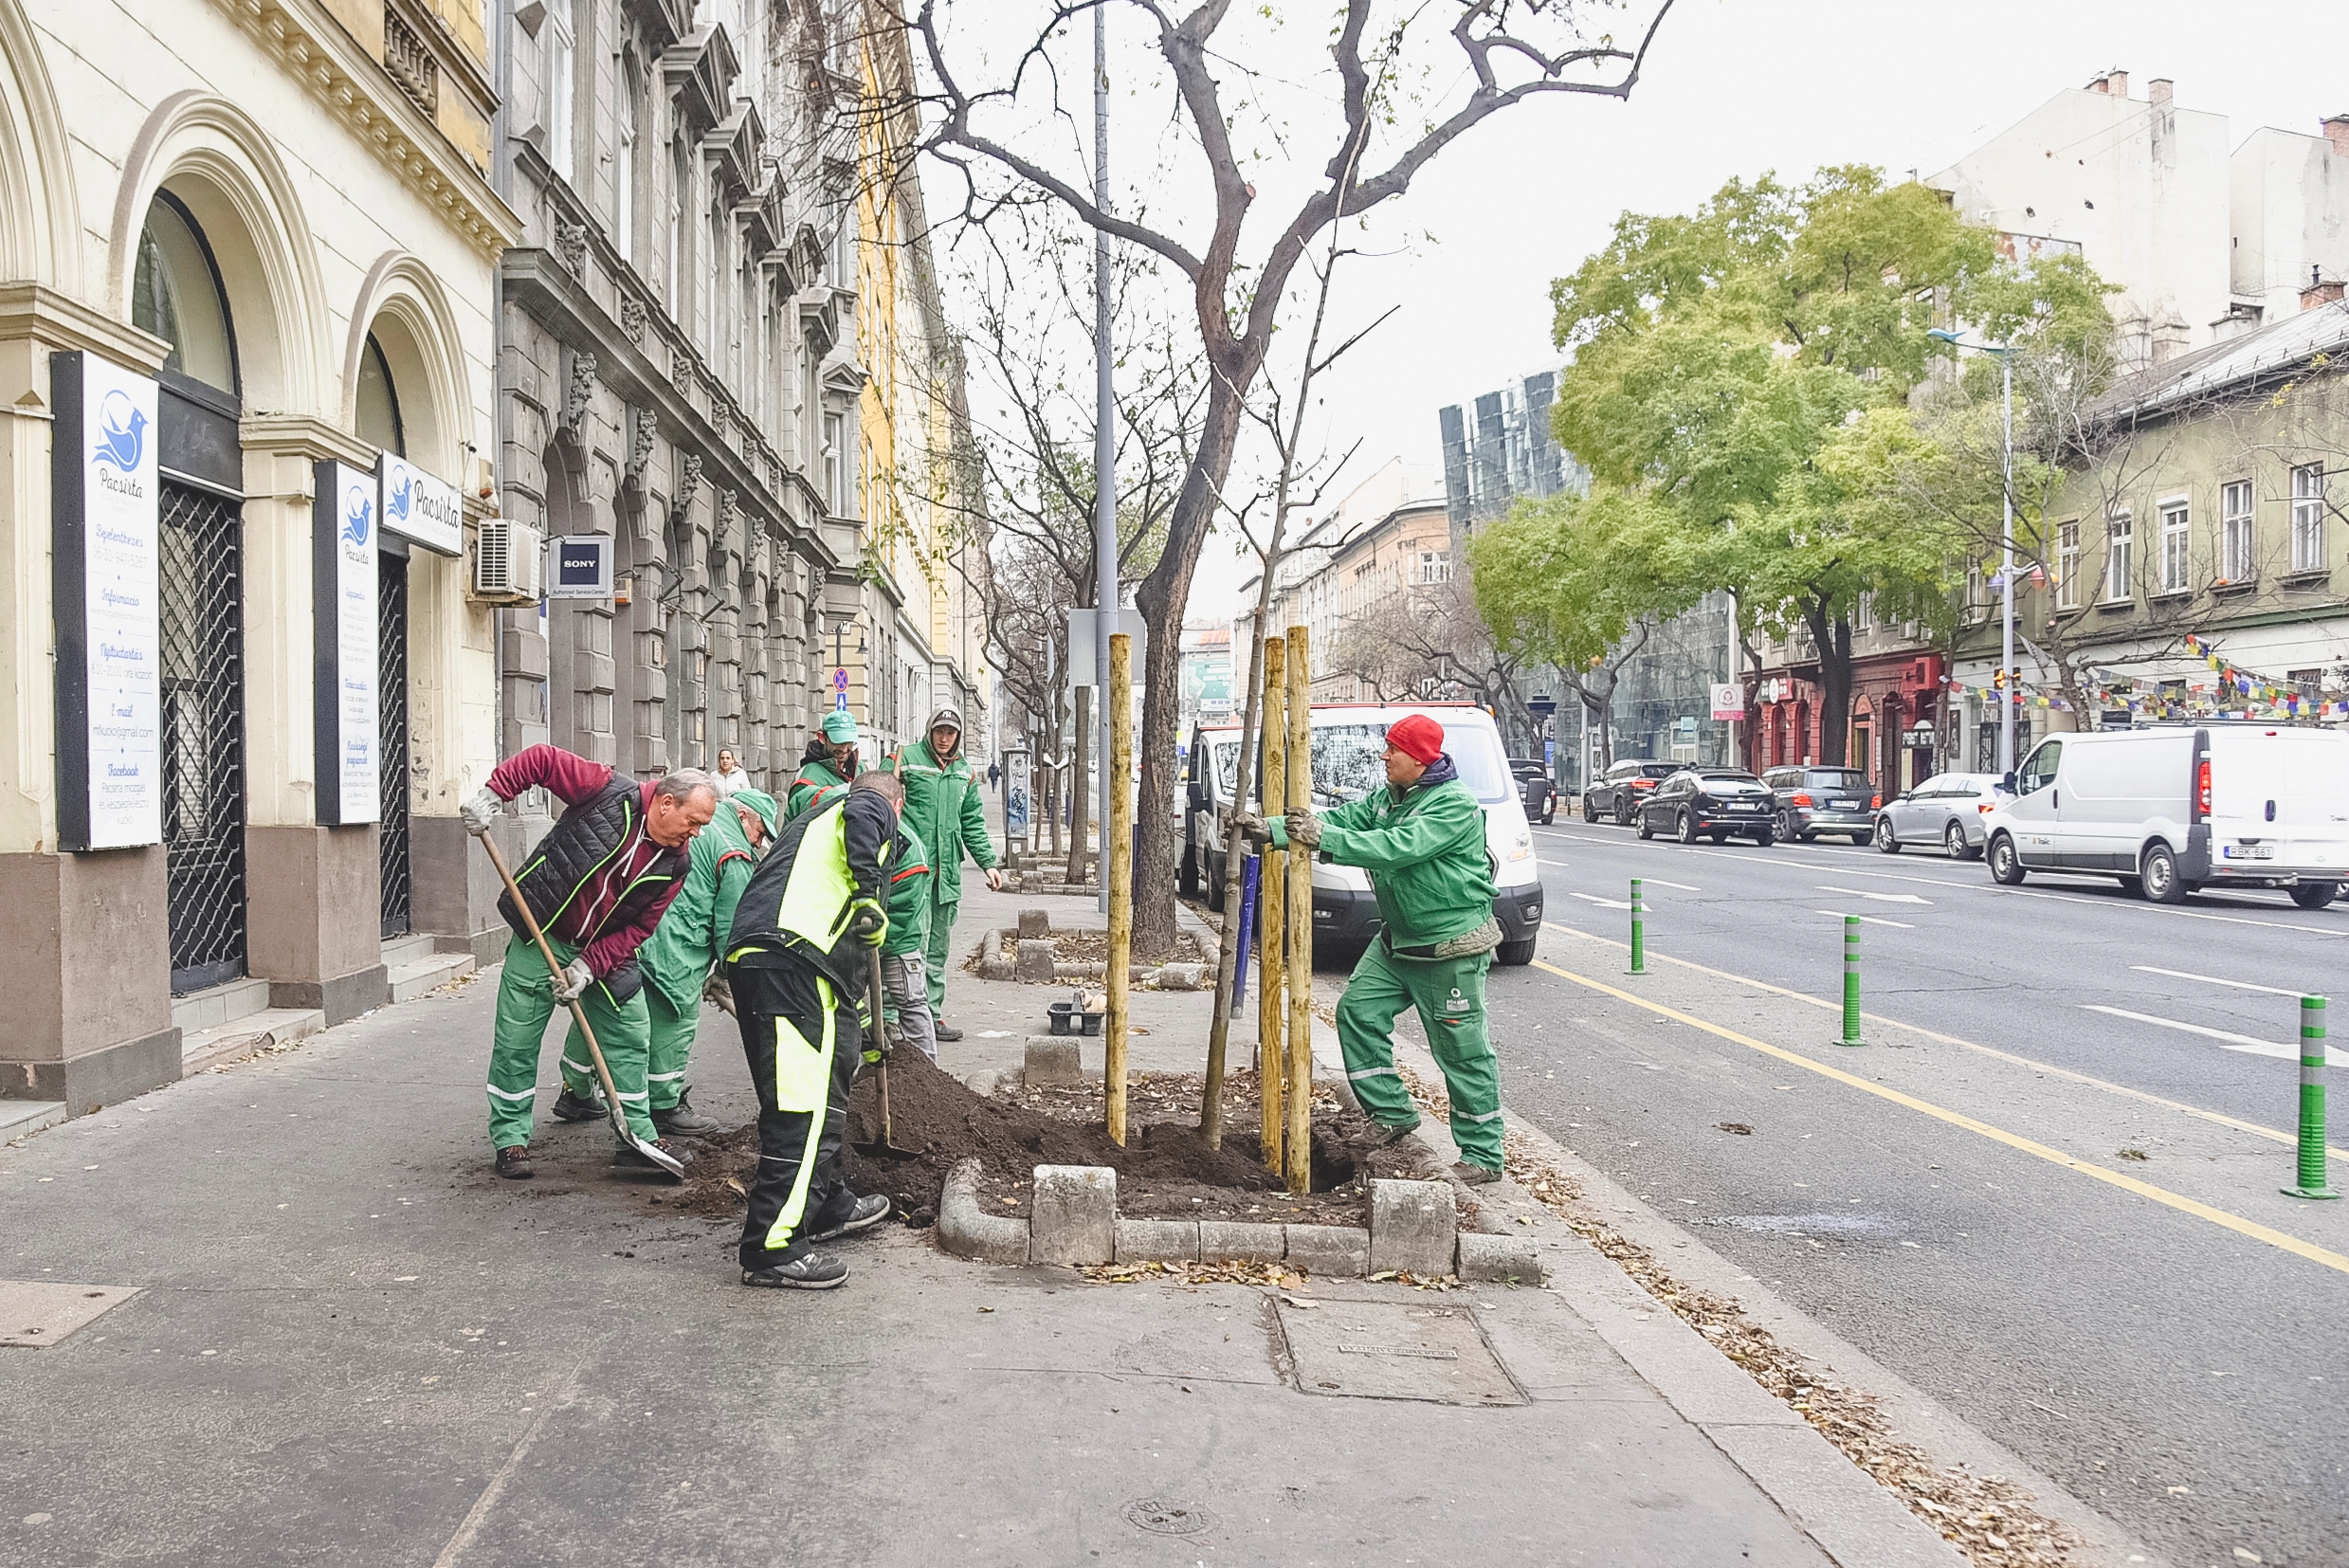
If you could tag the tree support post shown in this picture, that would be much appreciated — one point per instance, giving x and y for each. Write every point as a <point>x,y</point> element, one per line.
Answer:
<point>1297,1146</point>
<point>1272,908</point>
<point>1118,876</point>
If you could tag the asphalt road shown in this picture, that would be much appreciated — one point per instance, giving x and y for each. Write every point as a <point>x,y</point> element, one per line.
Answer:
<point>2186,1373</point>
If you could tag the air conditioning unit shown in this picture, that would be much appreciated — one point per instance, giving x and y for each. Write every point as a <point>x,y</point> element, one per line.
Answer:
<point>509,562</point>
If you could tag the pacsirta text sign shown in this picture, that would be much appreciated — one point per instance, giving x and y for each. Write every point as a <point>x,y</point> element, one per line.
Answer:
<point>106,493</point>
<point>420,508</point>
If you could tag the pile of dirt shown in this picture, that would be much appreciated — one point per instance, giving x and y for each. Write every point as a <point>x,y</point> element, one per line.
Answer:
<point>1163,1170</point>
<point>1092,947</point>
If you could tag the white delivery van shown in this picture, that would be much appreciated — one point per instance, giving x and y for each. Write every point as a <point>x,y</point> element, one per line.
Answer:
<point>1349,745</point>
<point>2172,809</point>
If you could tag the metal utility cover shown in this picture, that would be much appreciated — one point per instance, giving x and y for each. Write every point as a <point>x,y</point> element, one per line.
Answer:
<point>37,1312</point>
<point>1396,1350</point>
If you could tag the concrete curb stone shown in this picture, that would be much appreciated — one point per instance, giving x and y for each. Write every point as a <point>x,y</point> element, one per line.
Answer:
<point>1338,1251</point>
<point>1511,1260</point>
<point>1222,1240</point>
<point>1158,1240</point>
<point>1053,1059</point>
<point>968,1232</point>
<point>1075,1215</point>
<point>1414,1226</point>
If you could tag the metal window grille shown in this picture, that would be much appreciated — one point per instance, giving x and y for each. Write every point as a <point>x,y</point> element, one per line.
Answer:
<point>203,691</point>
<point>2309,518</point>
<point>2234,529</point>
<point>392,844</point>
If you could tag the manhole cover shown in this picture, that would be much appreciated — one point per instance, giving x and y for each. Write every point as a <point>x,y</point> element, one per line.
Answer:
<point>1166,1518</point>
<point>1392,1350</point>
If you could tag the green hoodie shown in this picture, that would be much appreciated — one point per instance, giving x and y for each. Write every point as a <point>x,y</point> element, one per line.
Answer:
<point>682,947</point>
<point>943,805</point>
<point>1424,849</point>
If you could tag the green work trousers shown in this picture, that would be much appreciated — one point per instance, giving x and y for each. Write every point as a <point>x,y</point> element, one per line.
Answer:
<point>525,1002</point>
<point>935,950</point>
<point>672,1043</point>
<point>1449,996</point>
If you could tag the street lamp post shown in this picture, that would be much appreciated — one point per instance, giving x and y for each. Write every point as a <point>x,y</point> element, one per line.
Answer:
<point>2006,535</point>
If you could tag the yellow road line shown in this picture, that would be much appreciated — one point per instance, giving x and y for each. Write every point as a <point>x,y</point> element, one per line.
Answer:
<point>2040,1151</point>
<point>2221,1117</point>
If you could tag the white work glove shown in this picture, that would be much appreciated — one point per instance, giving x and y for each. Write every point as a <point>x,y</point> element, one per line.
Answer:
<point>1303,828</point>
<point>573,982</point>
<point>480,812</point>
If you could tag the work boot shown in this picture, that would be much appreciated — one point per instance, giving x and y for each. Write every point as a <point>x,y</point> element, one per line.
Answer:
<point>626,1156</point>
<point>808,1271</point>
<point>570,1107</point>
<point>1474,1175</point>
<point>864,1214</point>
<point>684,1120</point>
<point>945,1031</point>
<point>514,1162</point>
<point>1387,1134</point>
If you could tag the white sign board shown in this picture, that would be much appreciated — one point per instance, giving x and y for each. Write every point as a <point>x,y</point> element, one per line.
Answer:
<point>582,567</point>
<point>106,494</point>
<point>1729,701</point>
<point>420,508</point>
<point>1081,636</point>
<point>346,704</point>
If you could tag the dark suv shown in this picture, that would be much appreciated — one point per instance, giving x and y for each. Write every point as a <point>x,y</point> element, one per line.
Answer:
<point>1616,793</point>
<point>1537,788</point>
<point>1708,802</point>
<point>1824,800</point>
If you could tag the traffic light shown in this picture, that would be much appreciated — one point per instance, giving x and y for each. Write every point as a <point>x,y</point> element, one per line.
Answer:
<point>1998,679</point>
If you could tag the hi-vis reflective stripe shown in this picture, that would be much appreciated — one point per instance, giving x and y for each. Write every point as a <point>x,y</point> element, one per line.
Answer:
<point>1459,1115</point>
<point>511,1094</point>
<point>580,1068</point>
<point>660,1078</point>
<point>1374,1072</point>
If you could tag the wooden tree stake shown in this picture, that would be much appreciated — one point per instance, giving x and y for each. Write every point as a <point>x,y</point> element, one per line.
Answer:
<point>1298,1144</point>
<point>1271,907</point>
<point>1117,867</point>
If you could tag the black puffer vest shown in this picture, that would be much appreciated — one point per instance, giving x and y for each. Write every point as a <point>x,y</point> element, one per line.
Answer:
<point>577,848</point>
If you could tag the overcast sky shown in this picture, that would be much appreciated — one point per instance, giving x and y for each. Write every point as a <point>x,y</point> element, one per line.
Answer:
<point>1736,88</point>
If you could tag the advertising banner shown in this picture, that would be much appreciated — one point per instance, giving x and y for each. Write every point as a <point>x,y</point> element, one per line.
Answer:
<point>420,508</point>
<point>346,704</point>
<point>105,497</point>
<point>1015,797</point>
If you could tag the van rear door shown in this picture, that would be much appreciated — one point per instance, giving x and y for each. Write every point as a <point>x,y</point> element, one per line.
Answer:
<point>2279,800</point>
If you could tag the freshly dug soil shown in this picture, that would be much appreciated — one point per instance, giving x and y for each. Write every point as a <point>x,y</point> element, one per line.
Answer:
<point>1163,1170</point>
<point>1092,947</point>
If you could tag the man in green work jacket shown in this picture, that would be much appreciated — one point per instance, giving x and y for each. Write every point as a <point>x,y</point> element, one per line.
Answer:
<point>1422,840</point>
<point>943,805</point>
<point>826,769</point>
<point>677,960</point>
<point>905,991</point>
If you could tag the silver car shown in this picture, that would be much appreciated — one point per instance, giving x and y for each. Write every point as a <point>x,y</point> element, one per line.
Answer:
<point>1948,810</point>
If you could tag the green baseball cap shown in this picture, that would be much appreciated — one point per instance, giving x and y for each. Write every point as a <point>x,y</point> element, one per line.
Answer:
<point>839,726</point>
<point>760,802</point>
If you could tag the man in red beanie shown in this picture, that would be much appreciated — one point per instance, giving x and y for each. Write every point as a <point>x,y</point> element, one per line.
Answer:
<point>1422,840</point>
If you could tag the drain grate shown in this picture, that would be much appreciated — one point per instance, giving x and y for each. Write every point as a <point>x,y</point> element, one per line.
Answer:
<point>1162,1518</point>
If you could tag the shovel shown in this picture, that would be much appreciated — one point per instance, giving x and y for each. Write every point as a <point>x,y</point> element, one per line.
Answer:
<point>886,1148</point>
<point>603,1073</point>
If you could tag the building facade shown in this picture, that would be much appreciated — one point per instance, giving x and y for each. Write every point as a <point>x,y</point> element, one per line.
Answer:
<point>246,264</point>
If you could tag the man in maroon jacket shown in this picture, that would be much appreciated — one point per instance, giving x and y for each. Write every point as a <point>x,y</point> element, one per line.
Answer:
<point>597,885</point>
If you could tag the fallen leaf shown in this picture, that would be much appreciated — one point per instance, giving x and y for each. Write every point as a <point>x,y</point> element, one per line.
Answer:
<point>986,1309</point>
<point>2140,1154</point>
<point>1300,1303</point>
<point>738,1186</point>
<point>1741,1129</point>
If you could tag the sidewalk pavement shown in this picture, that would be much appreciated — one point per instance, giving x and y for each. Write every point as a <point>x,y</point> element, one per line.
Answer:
<point>348,1342</point>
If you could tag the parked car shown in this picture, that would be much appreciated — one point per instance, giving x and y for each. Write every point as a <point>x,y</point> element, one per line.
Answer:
<point>1824,800</point>
<point>2170,809</point>
<point>1709,803</point>
<point>1948,810</point>
<point>1535,788</point>
<point>1614,792</point>
<point>1349,740</point>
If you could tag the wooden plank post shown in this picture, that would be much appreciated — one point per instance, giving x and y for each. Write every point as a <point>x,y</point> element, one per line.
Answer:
<point>1272,908</point>
<point>1118,868</point>
<point>1298,1142</point>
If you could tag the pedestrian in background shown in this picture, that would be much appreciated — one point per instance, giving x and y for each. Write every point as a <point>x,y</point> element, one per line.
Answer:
<point>729,776</point>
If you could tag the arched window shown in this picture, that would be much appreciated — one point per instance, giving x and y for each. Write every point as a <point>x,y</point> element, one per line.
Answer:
<point>380,401</point>
<point>175,294</point>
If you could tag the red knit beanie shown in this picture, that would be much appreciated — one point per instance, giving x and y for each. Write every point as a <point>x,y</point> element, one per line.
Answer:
<point>1417,737</point>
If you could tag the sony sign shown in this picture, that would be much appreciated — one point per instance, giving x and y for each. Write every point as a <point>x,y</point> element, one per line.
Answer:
<point>345,703</point>
<point>105,492</point>
<point>420,508</point>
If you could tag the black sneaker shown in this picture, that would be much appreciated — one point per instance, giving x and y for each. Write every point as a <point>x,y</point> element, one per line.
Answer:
<point>1386,1134</point>
<point>946,1031</point>
<point>685,1120</point>
<point>808,1271</point>
<point>626,1156</point>
<point>864,1214</point>
<point>514,1162</point>
<point>570,1107</point>
<point>1474,1175</point>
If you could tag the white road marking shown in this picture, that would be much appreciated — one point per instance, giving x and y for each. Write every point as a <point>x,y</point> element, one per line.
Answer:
<point>2212,979</point>
<point>1659,881</point>
<point>1871,920</point>
<point>2243,1043</point>
<point>1880,898</point>
<point>1594,898</point>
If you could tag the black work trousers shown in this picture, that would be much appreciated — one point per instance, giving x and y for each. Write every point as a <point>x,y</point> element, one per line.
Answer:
<point>799,1034</point>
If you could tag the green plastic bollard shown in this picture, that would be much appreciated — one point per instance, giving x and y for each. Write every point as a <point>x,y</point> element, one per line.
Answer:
<point>1639,932</point>
<point>1851,982</point>
<point>2312,1171</point>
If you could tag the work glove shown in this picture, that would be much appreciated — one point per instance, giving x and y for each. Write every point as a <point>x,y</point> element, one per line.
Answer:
<point>716,990</point>
<point>1303,828</point>
<point>573,982</point>
<point>868,921</point>
<point>480,812</point>
<point>1251,827</point>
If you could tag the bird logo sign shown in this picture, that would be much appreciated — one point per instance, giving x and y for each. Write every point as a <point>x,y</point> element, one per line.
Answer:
<point>355,515</point>
<point>403,497</point>
<point>121,433</point>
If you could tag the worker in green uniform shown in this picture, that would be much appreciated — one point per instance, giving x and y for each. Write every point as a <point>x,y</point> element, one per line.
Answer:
<point>905,992</point>
<point>1422,840</point>
<point>943,805</point>
<point>677,960</point>
<point>825,768</point>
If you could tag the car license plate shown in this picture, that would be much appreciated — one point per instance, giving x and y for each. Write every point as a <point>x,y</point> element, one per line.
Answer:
<point>1743,805</point>
<point>2248,851</point>
<point>1843,805</point>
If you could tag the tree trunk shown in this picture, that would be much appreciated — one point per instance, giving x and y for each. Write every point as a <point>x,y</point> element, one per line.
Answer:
<point>1077,793</point>
<point>1162,599</point>
<point>1834,640</point>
